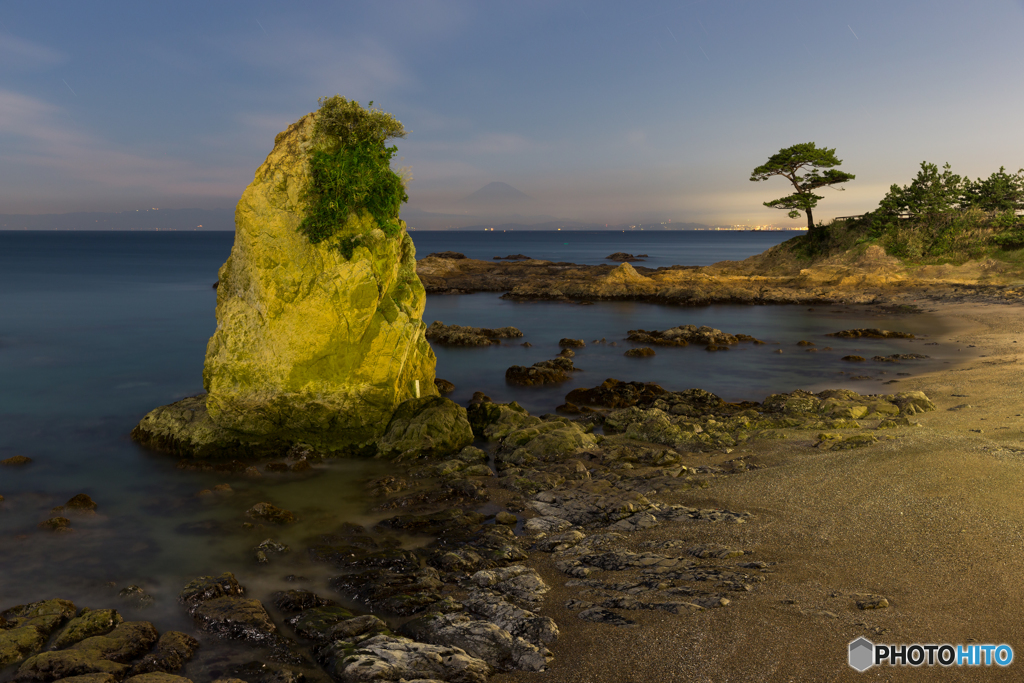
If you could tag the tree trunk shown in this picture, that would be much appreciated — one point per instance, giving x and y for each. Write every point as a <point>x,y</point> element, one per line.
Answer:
<point>810,222</point>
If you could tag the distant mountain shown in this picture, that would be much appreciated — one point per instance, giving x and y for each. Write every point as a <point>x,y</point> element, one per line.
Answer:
<point>143,219</point>
<point>498,194</point>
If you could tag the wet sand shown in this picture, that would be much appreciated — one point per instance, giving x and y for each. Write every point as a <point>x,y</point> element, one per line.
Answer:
<point>933,520</point>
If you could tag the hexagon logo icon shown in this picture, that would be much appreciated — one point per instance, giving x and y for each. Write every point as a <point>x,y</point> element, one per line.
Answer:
<point>862,653</point>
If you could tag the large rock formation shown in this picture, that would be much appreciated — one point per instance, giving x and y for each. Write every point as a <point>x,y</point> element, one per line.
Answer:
<point>310,346</point>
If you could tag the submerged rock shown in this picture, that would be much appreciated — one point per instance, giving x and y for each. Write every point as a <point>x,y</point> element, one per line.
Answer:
<point>311,345</point>
<point>270,513</point>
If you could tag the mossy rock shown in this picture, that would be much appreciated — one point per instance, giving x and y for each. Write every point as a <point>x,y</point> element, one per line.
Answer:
<point>157,677</point>
<point>18,643</point>
<point>46,615</point>
<point>89,623</point>
<point>495,421</point>
<point>432,426</point>
<point>553,440</point>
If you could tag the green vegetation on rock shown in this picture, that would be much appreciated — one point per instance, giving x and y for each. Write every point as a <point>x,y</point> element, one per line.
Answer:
<point>350,171</point>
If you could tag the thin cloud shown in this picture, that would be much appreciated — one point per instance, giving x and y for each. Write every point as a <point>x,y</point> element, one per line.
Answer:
<point>15,51</point>
<point>44,149</point>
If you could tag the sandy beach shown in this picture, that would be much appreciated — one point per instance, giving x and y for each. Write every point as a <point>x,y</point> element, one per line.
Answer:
<point>931,519</point>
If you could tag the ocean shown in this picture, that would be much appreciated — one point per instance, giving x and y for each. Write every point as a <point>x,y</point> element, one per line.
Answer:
<point>96,329</point>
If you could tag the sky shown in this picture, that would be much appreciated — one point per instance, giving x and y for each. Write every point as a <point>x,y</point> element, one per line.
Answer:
<point>599,111</point>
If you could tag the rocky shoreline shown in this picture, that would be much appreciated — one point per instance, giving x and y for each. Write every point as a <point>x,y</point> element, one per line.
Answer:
<point>495,493</point>
<point>774,277</point>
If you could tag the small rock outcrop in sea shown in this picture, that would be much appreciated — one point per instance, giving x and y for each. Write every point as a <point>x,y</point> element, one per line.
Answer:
<point>545,372</point>
<point>623,257</point>
<point>458,335</point>
<point>316,343</point>
<point>513,257</point>
<point>453,255</point>
<point>684,335</point>
<point>872,333</point>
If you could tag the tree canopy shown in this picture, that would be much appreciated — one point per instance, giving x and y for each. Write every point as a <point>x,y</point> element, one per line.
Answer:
<point>808,167</point>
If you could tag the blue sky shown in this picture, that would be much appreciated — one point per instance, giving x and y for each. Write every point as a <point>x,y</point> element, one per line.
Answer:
<point>598,110</point>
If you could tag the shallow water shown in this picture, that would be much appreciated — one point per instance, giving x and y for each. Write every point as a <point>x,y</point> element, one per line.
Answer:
<point>96,329</point>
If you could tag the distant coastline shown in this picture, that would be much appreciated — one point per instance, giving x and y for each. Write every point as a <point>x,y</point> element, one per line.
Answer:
<point>216,220</point>
<point>141,220</point>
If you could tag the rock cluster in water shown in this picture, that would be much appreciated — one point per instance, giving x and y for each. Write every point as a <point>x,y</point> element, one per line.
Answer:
<point>310,346</point>
<point>458,335</point>
<point>684,335</point>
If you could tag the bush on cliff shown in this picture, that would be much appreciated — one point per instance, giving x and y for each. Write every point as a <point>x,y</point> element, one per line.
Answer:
<point>939,217</point>
<point>350,170</point>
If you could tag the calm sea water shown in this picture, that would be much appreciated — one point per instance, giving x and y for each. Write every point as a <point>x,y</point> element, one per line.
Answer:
<point>96,329</point>
<point>663,247</point>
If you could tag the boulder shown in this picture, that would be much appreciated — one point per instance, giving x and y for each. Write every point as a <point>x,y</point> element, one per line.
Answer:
<point>106,654</point>
<point>89,623</point>
<point>173,650</point>
<point>431,426</point>
<point>495,421</point>
<point>479,638</point>
<point>317,343</point>
<point>391,658</point>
